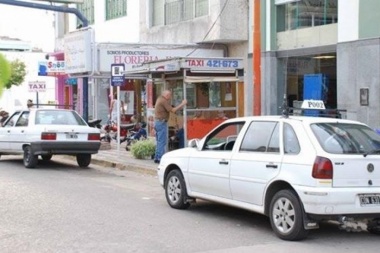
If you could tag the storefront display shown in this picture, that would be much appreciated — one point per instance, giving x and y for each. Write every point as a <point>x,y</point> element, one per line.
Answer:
<point>210,86</point>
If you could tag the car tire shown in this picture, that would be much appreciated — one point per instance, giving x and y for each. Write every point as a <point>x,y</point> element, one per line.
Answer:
<point>46,157</point>
<point>175,190</point>
<point>83,160</point>
<point>286,216</point>
<point>30,160</point>
<point>374,227</point>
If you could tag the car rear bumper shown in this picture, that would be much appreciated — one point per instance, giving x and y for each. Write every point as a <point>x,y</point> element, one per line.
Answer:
<point>337,201</point>
<point>65,148</point>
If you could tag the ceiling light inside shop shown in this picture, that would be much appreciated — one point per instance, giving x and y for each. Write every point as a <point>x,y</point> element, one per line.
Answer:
<point>324,57</point>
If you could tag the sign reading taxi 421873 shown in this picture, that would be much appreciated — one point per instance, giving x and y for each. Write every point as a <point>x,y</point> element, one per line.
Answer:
<point>37,86</point>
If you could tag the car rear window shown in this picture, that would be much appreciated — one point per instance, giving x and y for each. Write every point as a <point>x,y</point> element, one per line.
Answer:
<point>343,138</point>
<point>58,117</point>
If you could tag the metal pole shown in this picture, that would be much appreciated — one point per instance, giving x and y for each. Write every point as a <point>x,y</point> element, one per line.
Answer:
<point>48,7</point>
<point>37,99</point>
<point>256,58</point>
<point>118,104</point>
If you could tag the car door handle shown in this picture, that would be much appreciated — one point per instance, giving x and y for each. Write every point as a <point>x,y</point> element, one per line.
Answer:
<point>274,166</point>
<point>223,162</point>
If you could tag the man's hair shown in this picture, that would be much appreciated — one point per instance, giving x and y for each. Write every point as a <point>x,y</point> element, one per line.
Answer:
<point>165,93</point>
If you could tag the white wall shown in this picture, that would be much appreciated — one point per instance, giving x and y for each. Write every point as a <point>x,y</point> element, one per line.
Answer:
<point>348,20</point>
<point>230,27</point>
<point>123,30</point>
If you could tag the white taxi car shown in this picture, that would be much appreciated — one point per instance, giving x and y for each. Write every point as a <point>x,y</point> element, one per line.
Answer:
<point>46,132</point>
<point>299,171</point>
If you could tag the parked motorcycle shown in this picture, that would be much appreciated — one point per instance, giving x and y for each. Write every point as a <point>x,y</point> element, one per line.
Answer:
<point>95,123</point>
<point>136,134</point>
<point>111,131</point>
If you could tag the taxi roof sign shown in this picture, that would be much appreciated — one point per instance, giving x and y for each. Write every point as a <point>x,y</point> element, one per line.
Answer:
<point>313,104</point>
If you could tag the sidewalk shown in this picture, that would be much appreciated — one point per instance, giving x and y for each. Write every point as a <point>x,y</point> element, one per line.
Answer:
<point>110,156</point>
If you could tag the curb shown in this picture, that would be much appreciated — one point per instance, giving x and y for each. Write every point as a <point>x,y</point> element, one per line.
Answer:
<point>119,166</point>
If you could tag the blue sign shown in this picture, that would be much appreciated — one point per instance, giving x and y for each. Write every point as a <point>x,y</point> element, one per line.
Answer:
<point>117,74</point>
<point>71,81</point>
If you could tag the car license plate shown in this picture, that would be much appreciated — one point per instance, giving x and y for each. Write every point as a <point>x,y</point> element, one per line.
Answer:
<point>369,199</point>
<point>71,136</point>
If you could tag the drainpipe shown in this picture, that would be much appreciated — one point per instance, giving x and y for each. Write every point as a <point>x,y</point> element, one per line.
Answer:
<point>256,58</point>
<point>64,9</point>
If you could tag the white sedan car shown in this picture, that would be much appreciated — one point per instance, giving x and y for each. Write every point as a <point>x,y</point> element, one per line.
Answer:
<point>299,171</point>
<point>46,132</point>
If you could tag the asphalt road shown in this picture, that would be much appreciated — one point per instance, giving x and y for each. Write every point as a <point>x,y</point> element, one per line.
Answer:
<point>59,207</point>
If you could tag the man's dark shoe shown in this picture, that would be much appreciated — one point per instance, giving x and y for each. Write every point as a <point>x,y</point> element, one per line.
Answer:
<point>156,161</point>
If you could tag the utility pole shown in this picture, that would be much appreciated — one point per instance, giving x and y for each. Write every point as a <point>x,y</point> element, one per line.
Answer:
<point>64,9</point>
<point>256,58</point>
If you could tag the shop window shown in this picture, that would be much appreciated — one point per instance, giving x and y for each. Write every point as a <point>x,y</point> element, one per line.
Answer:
<point>297,68</point>
<point>306,13</point>
<point>116,9</point>
<point>177,93</point>
<point>87,9</point>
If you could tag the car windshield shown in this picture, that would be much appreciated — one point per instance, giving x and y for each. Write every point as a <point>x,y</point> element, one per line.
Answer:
<point>344,138</point>
<point>58,117</point>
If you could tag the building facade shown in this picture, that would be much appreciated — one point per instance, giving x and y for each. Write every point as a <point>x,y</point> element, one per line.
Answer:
<point>150,29</point>
<point>331,43</point>
<point>112,24</point>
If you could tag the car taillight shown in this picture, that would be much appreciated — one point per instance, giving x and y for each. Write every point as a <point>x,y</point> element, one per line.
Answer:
<point>93,137</point>
<point>48,136</point>
<point>322,168</point>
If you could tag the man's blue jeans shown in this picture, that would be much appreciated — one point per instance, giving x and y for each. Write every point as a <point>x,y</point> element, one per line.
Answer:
<point>161,128</point>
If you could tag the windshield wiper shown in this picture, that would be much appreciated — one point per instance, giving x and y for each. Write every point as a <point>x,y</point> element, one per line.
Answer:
<point>374,151</point>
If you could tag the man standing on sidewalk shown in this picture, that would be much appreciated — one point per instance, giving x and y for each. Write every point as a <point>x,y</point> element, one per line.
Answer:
<point>162,111</point>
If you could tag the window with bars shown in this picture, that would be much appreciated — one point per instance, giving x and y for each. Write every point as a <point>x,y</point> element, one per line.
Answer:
<point>87,9</point>
<point>116,9</point>
<point>166,12</point>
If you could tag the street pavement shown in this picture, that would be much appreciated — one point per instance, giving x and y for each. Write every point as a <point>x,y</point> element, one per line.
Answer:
<point>111,156</point>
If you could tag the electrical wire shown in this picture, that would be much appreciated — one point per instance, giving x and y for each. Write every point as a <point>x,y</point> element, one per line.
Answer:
<point>212,26</point>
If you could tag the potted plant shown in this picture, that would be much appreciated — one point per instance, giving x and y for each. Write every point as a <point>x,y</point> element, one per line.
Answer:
<point>143,148</point>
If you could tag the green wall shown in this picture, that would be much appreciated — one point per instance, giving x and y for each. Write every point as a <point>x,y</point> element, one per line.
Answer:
<point>369,19</point>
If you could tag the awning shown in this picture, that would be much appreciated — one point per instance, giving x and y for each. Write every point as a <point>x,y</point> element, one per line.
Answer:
<point>195,65</point>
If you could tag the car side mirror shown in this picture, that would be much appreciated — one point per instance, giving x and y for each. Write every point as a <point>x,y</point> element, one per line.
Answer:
<point>194,143</point>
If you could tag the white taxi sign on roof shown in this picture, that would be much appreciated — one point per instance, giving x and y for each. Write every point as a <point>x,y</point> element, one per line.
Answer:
<point>313,104</point>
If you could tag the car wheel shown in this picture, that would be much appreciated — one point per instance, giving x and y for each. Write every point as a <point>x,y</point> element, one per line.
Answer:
<point>46,157</point>
<point>30,160</point>
<point>83,160</point>
<point>286,216</point>
<point>175,190</point>
<point>374,227</point>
